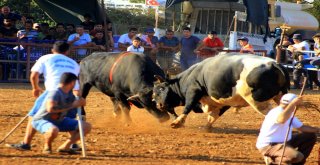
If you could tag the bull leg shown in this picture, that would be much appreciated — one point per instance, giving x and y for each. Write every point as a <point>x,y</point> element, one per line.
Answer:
<point>116,108</point>
<point>214,114</point>
<point>192,99</point>
<point>172,113</point>
<point>84,91</point>
<point>125,107</point>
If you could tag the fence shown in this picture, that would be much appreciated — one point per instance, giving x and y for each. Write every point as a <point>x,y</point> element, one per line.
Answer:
<point>17,58</point>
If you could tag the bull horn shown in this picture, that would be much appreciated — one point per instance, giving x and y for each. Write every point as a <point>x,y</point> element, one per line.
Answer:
<point>159,78</point>
<point>134,97</point>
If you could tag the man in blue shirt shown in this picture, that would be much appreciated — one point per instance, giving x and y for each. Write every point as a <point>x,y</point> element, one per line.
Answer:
<point>188,44</point>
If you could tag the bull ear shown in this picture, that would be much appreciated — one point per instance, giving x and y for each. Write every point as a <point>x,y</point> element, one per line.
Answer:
<point>159,78</point>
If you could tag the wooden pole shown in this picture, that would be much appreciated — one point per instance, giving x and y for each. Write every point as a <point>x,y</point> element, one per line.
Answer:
<point>284,28</point>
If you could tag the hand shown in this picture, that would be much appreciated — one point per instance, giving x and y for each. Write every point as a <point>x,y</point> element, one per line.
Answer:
<point>36,92</point>
<point>213,49</point>
<point>297,101</point>
<point>196,52</point>
<point>79,103</point>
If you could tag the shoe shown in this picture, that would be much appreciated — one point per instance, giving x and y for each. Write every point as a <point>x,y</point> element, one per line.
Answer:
<point>267,160</point>
<point>20,146</point>
<point>67,151</point>
<point>75,147</point>
<point>47,151</point>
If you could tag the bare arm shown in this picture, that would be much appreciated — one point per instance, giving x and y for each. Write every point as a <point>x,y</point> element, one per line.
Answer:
<point>34,79</point>
<point>287,112</point>
<point>53,107</point>
<point>310,129</point>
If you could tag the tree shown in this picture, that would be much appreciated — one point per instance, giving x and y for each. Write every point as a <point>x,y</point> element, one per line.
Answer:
<point>315,11</point>
<point>137,1</point>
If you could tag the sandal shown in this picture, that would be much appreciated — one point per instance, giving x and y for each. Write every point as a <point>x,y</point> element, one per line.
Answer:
<point>47,151</point>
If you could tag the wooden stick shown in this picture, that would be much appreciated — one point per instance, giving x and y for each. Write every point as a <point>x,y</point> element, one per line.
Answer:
<point>294,112</point>
<point>83,146</point>
<point>13,129</point>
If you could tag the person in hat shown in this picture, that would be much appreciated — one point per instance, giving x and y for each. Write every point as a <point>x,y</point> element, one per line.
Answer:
<point>245,46</point>
<point>316,46</point>
<point>273,132</point>
<point>299,44</point>
<point>210,46</point>
<point>151,44</point>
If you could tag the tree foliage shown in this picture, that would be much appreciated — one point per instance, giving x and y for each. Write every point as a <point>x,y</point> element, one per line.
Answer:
<point>316,9</point>
<point>137,1</point>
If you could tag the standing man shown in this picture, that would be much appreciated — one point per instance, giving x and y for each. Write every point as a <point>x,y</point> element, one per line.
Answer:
<point>151,44</point>
<point>125,40</point>
<point>6,13</point>
<point>273,132</point>
<point>210,46</point>
<point>52,66</point>
<point>245,46</point>
<point>188,44</point>
<point>169,46</point>
<point>52,116</point>
<point>80,38</point>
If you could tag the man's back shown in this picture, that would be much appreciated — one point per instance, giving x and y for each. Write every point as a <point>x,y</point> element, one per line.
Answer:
<point>52,66</point>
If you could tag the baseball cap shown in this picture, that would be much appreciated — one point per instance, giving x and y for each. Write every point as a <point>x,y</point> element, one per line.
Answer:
<point>297,36</point>
<point>287,98</point>
<point>316,35</point>
<point>243,39</point>
<point>149,30</point>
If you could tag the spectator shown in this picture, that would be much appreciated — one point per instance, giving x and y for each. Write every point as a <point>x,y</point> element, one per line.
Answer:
<point>99,41</point>
<point>6,13</point>
<point>36,27</point>
<point>273,132</point>
<point>136,46</point>
<point>70,29</point>
<point>245,46</point>
<point>316,46</point>
<point>125,40</point>
<point>60,33</point>
<point>151,44</point>
<point>210,46</point>
<point>27,33</point>
<point>87,23</point>
<point>80,39</point>
<point>169,46</point>
<point>295,49</point>
<point>44,34</point>
<point>97,27</point>
<point>8,30</point>
<point>188,44</point>
<point>52,115</point>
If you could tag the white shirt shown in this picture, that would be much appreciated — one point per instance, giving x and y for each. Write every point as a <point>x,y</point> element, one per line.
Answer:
<point>131,48</point>
<point>302,44</point>
<point>273,132</point>
<point>124,39</point>
<point>52,66</point>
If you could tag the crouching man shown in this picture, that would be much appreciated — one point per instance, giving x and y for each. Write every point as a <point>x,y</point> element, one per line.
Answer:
<point>51,118</point>
<point>274,129</point>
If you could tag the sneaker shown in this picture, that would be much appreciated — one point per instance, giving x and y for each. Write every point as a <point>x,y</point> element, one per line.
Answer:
<point>20,146</point>
<point>67,151</point>
<point>75,147</point>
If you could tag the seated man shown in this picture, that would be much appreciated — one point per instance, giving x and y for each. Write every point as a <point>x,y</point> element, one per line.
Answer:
<point>245,46</point>
<point>51,118</point>
<point>210,46</point>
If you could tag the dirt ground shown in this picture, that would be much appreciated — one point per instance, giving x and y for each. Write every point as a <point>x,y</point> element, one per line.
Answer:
<point>145,141</point>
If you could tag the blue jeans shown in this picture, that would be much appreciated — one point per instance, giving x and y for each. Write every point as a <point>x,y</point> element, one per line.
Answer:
<point>186,62</point>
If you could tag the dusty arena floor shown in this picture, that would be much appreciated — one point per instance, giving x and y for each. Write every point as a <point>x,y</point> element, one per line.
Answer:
<point>231,141</point>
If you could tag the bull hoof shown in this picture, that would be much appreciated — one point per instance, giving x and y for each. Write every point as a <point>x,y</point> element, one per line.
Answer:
<point>176,125</point>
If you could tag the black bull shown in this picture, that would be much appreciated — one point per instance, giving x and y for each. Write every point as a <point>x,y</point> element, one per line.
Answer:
<point>221,82</point>
<point>121,76</point>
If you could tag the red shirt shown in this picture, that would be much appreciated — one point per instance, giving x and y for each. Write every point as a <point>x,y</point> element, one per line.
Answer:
<point>216,42</point>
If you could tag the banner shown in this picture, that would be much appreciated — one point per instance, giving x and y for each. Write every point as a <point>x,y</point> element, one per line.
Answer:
<point>156,3</point>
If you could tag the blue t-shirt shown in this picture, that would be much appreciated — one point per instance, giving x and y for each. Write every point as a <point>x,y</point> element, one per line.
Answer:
<point>188,45</point>
<point>173,42</point>
<point>62,99</point>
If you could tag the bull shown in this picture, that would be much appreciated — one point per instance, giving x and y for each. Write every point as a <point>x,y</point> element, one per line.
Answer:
<point>125,77</point>
<point>218,83</point>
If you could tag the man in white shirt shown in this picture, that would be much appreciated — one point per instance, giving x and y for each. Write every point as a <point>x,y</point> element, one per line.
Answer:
<point>52,66</point>
<point>80,38</point>
<point>125,40</point>
<point>273,132</point>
